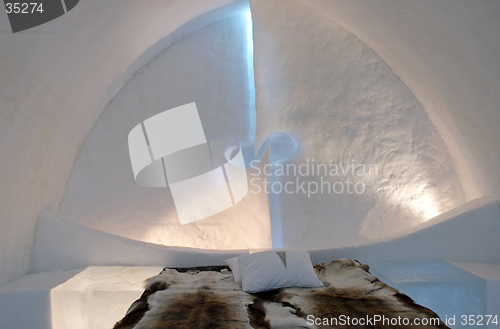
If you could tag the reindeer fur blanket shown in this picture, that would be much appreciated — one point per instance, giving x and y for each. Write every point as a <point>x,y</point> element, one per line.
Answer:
<point>351,298</point>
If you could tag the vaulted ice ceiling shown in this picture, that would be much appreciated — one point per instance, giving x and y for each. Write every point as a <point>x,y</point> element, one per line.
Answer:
<point>434,63</point>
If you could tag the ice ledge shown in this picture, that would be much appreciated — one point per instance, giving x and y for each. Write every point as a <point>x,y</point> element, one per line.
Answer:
<point>85,298</point>
<point>451,289</point>
<point>470,233</point>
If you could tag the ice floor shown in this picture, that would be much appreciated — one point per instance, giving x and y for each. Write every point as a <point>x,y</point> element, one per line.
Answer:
<point>96,297</point>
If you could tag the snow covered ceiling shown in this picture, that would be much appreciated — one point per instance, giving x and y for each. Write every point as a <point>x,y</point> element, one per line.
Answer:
<point>56,85</point>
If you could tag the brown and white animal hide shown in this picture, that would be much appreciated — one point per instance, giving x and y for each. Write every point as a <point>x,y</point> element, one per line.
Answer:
<point>202,300</point>
<point>213,300</point>
<point>349,289</point>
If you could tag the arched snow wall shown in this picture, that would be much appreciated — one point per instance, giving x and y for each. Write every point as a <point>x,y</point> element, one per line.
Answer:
<point>209,67</point>
<point>371,163</point>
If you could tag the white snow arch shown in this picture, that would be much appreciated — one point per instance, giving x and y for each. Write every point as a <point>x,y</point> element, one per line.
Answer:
<point>209,67</point>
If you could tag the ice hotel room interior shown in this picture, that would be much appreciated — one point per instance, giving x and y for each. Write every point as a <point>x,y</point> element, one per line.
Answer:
<point>251,164</point>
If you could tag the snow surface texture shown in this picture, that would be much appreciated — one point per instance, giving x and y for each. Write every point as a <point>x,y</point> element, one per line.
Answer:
<point>320,83</point>
<point>208,67</point>
<point>447,52</point>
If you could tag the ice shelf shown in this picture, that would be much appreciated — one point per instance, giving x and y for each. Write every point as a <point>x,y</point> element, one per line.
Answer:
<point>448,290</point>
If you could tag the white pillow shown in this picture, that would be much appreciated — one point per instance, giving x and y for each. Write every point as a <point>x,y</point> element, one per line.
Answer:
<point>235,268</point>
<point>270,270</point>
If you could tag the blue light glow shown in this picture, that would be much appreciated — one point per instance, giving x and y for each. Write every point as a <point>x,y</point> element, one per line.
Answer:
<point>282,146</point>
<point>250,74</point>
